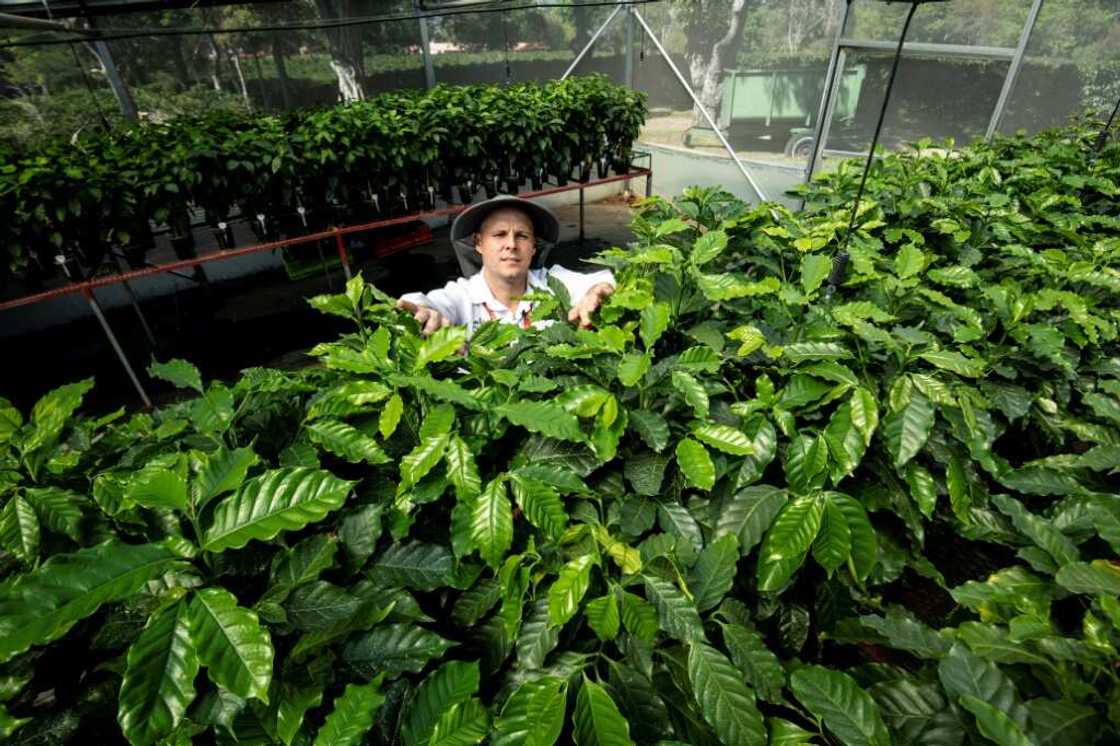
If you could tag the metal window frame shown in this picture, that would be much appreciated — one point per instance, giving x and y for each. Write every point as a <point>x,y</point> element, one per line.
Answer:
<point>843,44</point>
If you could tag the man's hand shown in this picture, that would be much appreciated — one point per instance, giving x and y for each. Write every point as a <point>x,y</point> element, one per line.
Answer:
<point>589,304</point>
<point>429,318</point>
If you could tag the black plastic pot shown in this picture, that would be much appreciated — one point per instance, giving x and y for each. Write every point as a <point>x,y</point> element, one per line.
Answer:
<point>584,173</point>
<point>466,193</point>
<point>601,166</point>
<point>537,180</point>
<point>513,185</point>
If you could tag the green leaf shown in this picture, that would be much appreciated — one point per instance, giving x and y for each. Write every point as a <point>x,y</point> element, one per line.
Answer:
<point>157,487</point>
<point>57,509</point>
<point>909,261</point>
<point>708,246</point>
<point>390,416</point>
<point>751,656</point>
<point>491,522</point>
<point>695,464</point>
<point>639,617</point>
<point>692,392</point>
<point>864,413</point>
<point>993,724</point>
<point>279,500</point>
<point>834,540</point>
<point>158,683</point>
<point>1098,576</point>
<point>806,464</point>
<point>445,390</point>
<point>423,567</point>
<point>712,576</point>
<point>1106,520</point>
<point>212,412</point>
<point>442,344</point>
<point>654,322</point>
<point>19,529</point>
<point>351,397</point>
<point>903,632</point>
<point>788,541</point>
<point>538,637</point>
<point>42,606</point>
<point>992,643</point>
<point>463,724</point>
<point>447,686</point>
<point>318,605</point>
<point>603,617</point>
<point>725,701</point>
<point>541,505</point>
<point>461,469</point>
<point>230,642</point>
<point>533,715</point>
<point>1058,723</point>
<point>352,716</point>
<point>864,542</point>
<point>632,367</point>
<point>651,427</point>
<point>1060,548</point>
<point>922,488</point>
<point>219,472</point>
<point>178,373</point>
<point>785,733</point>
<point>748,513</point>
<point>423,458</point>
<point>954,362</point>
<point>962,673</point>
<point>346,441</point>
<point>51,413</point>
<point>676,614</point>
<point>545,418</point>
<point>675,519</point>
<point>815,268</point>
<point>917,713</point>
<point>848,711</point>
<point>907,430</point>
<point>566,593</point>
<point>724,438</point>
<point>597,721</point>
<point>394,648</point>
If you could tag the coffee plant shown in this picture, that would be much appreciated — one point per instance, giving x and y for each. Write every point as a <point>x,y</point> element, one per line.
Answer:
<point>753,505</point>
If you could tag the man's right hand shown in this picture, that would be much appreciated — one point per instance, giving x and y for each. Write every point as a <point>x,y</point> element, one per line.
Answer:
<point>429,318</point>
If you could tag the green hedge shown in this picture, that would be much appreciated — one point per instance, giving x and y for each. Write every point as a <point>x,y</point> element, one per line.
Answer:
<point>742,509</point>
<point>398,148</point>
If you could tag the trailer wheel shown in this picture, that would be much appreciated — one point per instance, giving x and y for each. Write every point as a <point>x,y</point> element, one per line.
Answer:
<point>800,146</point>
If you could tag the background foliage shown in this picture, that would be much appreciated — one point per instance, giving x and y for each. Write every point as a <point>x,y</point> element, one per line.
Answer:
<point>748,505</point>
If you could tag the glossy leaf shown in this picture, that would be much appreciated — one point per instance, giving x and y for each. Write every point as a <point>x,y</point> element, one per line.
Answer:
<point>696,464</point>
<point>847,710</point>
<point>447,686</point>
<point>158,684</point>
<point>346,441</point>
<point>571,584</point>
<point>533,715</point>
<point>219,472</point>
<point>676,614</point>
<point>19,529</point>
<point>748,513</point>
<point>788,541</point>
<point>352,715</point>
<point>231,644</point>
<point>393,648</point>
<point>712,576</point>
<point>596,720</point>
<point>725,701</point>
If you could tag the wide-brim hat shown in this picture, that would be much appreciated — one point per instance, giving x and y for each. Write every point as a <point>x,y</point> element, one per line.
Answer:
<point>546,228</point>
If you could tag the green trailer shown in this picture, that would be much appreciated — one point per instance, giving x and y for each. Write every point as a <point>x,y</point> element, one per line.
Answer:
<point>780,104</point>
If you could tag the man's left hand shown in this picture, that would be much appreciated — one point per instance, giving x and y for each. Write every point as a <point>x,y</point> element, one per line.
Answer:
<point>589,304</point>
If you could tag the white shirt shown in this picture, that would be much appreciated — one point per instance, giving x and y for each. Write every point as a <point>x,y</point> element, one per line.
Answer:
<point>468,300</point>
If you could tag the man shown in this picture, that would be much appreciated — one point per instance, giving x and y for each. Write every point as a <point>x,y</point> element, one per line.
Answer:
<point>502,233</point>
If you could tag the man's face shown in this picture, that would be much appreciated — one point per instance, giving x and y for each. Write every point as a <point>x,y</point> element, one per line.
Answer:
<point>506,243</point>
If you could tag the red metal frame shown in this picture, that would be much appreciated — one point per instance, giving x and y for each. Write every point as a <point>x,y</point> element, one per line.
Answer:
<point>337,233</point>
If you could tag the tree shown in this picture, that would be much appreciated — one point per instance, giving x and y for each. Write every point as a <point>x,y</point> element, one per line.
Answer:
<point>713,32</point>
<point>345,48</point>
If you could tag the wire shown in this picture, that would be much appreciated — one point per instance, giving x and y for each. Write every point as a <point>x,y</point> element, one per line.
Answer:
<point>108,35</point>
<point>1102,138</point>
<point>837,275</point>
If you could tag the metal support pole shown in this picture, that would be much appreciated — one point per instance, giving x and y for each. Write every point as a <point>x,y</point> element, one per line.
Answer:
<point>135,304</point>
<point>425,48</point>
<point>1013,70</point>
<point>695,100</point>
<point>831,82</point>
<point>591,42</point>
<point>341,245</point>
<point>581,214</point>
<point>124,98</point>
<point>96,308</point>
<point>629,74</point>
<point>649,185</point>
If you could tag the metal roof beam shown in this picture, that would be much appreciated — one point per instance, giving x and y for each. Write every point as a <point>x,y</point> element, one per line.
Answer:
<point>929,49</point>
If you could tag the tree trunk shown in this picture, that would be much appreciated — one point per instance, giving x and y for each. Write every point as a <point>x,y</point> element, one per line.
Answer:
<point>705,66</point>
<point>182,73</point>
<point>281,70</point>
<point>216,69</point>
<point>235,58</point>
<point>346,49</point>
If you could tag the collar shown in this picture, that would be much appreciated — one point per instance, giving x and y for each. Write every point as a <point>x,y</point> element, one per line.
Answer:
<point>479,291</point>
